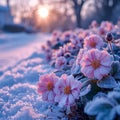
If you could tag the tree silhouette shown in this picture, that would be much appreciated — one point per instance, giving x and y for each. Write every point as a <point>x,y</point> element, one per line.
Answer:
<point>78,4</point>
<point>107,7</point>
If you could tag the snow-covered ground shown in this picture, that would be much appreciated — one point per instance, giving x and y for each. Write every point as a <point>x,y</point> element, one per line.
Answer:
<point>21,64</point>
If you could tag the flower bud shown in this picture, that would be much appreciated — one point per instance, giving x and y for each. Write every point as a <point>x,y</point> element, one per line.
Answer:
<point>109,37</point>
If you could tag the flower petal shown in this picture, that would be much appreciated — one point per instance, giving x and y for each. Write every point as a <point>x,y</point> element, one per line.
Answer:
<point>51,96</point>
<point>75,94</point>
<point>71,100</point>
<point>45,96</point>
<point>63,101</point>
<point>97,74</point>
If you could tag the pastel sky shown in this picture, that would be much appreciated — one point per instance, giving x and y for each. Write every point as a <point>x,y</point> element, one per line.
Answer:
<point>31,2</point>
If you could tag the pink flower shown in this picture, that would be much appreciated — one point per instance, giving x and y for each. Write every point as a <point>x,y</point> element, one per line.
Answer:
<point>67,90</point>
<point>108,26</point>
<point>101,31</point>
<point>60,62</point>
<point>59,52</point>
<point>83,33</point>
<point>94,24</point>
<point>71,62</point>
<point>80,56</point>
<point>67,34</point>
<point>96,64</point>
<point>63,50</point>
<point>93,41</point>
<point>76,41</point>
<point>69,47</point>
<point>56,35</point>
<point>48,54</point>
<point>46,85</point>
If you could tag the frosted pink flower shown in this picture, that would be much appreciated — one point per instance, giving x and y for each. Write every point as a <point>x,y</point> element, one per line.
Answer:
<point>96,64</point>
<point>67,90</point>
<point>56,35</point>
<point>69,47</point>
<point>59,52</point>
<point>60,62</point>
<point>101,31</point>
<point>48,56</point>
<point>63,50</point>
<point>67,34</point>
<point>93,41</point>
<point>76,41</point>
<point>83,34</point>
<point>94,24</point>
<point>71,62</point>
<point>46,85</point>
<point>108,26</point>
<point>48,53</point>
<point>80,56</point>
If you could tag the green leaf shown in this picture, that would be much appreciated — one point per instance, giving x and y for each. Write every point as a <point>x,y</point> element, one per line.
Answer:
<point>107,82</point>
<point>117,58</point>
<point>85,90</point>
<point>97,106</point>
<point>117,75</point>
<point>75,69</point>
<point>106,115</point>
<point>57,45</point>
<point>94,88</point>
<point>114,95</point>
<point>117,108</point>
<point>115,71</point>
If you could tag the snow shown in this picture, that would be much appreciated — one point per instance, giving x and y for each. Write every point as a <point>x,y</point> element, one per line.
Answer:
<point>4,8</point>
<point>21,64</point>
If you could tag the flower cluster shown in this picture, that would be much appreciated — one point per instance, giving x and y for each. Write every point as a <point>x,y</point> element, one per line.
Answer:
<point>87,63</point>
<point>64,90</point>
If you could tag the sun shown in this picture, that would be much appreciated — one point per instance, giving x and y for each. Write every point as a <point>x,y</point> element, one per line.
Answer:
<point>43,12</point>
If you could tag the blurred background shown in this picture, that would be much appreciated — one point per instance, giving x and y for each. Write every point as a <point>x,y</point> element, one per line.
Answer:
<point>46,15</point>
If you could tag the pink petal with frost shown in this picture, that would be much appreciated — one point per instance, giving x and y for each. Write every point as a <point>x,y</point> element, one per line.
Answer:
<point>104,70</point>
<point>57,90</point>
<point>75,85</point>
<point>97,74</point>
<point>51,96</point>
<point>90,73</point>
<point>71,99</point>
<point>106,61</point>
<point>75,94</point>
<point>57,98</point>
<point>63,101</point>
<point>45,96</point>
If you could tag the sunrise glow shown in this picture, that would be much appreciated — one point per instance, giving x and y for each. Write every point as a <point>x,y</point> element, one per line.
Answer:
<point>43,12</point>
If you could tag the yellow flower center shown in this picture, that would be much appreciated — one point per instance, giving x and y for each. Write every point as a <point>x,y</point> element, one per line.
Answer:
<point>93,44</point>
<point>50,86</point>
<point>95,64</point>
<point>67,90</point>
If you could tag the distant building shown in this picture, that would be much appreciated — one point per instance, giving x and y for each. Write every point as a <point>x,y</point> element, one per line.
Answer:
<point>5,16</point>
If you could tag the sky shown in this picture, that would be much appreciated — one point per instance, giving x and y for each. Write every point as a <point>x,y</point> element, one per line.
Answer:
<point>31,2</point>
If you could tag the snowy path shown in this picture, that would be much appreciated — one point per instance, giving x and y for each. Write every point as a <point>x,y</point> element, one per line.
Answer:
<point>21,64</point>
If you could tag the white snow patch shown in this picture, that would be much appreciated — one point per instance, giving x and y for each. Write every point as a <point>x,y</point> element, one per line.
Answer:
<point>21,64</point>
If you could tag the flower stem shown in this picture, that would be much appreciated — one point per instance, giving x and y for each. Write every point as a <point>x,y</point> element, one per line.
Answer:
<point>110,46</point>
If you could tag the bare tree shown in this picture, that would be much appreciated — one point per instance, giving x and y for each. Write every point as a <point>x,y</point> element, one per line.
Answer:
<point>76,5</point>
<point>107,7</point>
<point>8,3</point>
